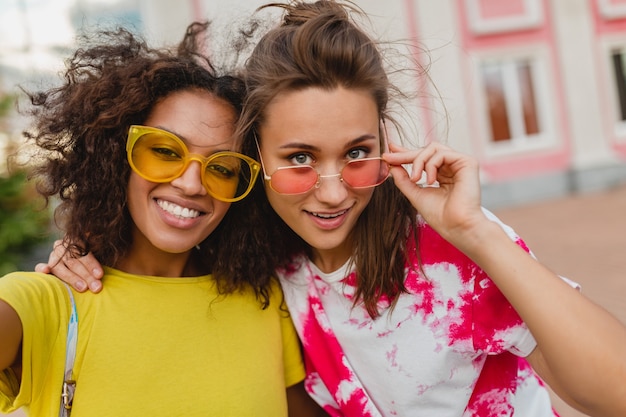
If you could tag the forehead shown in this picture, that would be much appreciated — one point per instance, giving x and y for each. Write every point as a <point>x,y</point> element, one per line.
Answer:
<point>320,116</point>
<point>199,118</point>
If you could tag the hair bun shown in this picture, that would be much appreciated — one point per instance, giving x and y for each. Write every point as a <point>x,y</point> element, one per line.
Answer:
<point>298,13</point>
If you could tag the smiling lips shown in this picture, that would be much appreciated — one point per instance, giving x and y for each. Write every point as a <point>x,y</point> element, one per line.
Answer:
<point>328,216</point>
<point>178,211</point>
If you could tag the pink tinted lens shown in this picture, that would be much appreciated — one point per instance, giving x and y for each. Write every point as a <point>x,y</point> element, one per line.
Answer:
<point>293,180</point>
<point>363,173</point>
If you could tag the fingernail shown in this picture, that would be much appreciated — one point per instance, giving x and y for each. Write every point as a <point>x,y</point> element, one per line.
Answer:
<point>95,286</point>
<point>80,286</point>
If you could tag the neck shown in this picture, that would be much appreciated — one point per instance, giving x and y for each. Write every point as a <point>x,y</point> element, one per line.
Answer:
<point>329,260</point>
<point>142,262</point>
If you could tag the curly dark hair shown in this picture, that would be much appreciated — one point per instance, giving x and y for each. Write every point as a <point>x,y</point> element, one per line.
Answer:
<point>112,81</point>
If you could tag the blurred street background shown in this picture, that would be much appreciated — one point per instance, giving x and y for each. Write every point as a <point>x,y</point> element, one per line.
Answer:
<point>581,237</point>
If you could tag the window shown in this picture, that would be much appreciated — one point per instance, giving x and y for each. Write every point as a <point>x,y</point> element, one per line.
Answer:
<point>511,103</point>
<point>618,59</point>
<point>612,9</point>
<point>492,16</point>
<point>613,83</point>
<point>515,100</point>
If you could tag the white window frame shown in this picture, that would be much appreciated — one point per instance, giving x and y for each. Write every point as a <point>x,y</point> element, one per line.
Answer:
<point>611,11</point>
<point>545,95</point>
<point>532,18</point>
<point>608,45</point>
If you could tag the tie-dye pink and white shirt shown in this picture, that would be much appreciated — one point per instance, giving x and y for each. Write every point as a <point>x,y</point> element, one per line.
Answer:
<point>453,346</point>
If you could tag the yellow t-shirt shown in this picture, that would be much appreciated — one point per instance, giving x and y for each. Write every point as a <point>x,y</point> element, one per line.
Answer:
<point>151,346</point>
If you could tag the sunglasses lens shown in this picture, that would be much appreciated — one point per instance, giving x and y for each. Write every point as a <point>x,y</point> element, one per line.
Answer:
<point>293,180</point>
<point>227,176</point>
<point>363,173</point>
<point>157,157</point>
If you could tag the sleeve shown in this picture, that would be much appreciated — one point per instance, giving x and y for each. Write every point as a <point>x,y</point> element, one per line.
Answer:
<point>42,308</point>
<point>497,326</point>
<point>292,352</point>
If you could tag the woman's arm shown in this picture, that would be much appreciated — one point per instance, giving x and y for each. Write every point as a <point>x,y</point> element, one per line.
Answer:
<point>581,348</point>
<point>81,273</point>
<point>10,335</point>
<point>300,404</point>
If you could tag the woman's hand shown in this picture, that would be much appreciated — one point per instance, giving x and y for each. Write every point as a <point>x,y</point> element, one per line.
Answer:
<point>81,273</point>
<point>448,192</point>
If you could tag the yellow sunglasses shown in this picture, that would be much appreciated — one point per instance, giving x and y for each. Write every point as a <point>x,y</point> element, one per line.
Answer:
<point>160,156</point>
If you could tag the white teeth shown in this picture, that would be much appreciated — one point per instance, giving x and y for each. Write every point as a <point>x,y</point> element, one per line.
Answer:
<point>178,211</point>
<point>329,216</point>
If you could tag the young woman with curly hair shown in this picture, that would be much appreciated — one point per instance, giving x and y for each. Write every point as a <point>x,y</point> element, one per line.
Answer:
<point>138,145</point>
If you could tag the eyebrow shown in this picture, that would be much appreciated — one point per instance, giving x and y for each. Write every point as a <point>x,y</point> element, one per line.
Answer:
<point>307,146</point>
<point>188,143</point>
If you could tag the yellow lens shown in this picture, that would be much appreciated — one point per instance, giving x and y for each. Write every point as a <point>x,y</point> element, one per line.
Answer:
<point>221,175</point>
<point>158,157</point>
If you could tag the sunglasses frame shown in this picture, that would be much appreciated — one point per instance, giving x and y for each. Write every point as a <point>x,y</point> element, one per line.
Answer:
<point>135,132</point>
<point>268,178</point>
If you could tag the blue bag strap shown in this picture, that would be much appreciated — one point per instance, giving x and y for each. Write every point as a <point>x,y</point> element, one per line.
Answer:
<point>69,384</point>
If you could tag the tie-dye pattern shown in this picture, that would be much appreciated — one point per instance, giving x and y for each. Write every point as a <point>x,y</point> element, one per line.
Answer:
<point>453,345</point>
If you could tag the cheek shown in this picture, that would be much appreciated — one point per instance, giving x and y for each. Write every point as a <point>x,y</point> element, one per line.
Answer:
<point>366,194</point>
<point>362,198</point>
<point>136,191</point>
<point>220,208</point>
<point>283,204</point>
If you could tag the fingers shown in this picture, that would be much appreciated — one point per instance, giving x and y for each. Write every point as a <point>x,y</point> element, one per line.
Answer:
<point>58,251</point>
<point>442,184</point>
<point>406,184</point>
<point>43,268</point>
<point>434,162</point>
<point>81,273</point>
<point>416,158</point>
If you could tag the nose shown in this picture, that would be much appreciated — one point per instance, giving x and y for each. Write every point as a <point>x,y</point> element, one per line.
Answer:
<point>330,189</point>
<point>190,181</point>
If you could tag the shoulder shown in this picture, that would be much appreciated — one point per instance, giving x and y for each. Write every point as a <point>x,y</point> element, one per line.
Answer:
<point>29,287</point>
<point>512,234</point>
<point>434,249</point>
<point>29,279</point>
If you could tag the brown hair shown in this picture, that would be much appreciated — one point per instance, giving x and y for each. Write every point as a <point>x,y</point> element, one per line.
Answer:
<point>111,82</point>
<point>319,44</point>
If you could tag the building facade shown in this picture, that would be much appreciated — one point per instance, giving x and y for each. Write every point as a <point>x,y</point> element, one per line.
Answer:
<point>535,89</point>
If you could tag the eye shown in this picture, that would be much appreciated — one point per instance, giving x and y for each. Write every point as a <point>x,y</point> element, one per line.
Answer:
<point>357,153</point>
<point>165,152</point>
<point>301,159</point>
<point>221,170</point>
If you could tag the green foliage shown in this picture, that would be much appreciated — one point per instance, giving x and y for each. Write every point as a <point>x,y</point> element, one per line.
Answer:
<point>6,104</point>
<point>24,221</point>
